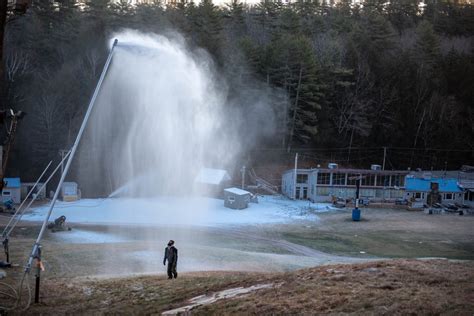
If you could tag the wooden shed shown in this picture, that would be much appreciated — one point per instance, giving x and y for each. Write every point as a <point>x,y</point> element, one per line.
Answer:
<point>211,182</point>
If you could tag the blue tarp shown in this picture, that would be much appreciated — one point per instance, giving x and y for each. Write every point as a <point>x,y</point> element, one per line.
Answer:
<point>12,182</point>
<point>422,185</point>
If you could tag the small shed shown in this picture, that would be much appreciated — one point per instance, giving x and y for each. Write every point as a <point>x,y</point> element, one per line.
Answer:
<point>69,191</point>
<point>417,189</point>
<point>212,181</point>
<point>11,190</point>
<point>236,198</point>
<point>27,186</point>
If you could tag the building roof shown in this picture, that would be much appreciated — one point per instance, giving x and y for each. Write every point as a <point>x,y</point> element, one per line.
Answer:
<point>363,171</point>
<point>453,174</point>
<point>350,170</point>
<point>445,185</point>
<point>467,184</point>
<point>12,182</point>
<point>69,183</point>
<point>237,191</point>
<point>298,170</point>
<point>212,176</point>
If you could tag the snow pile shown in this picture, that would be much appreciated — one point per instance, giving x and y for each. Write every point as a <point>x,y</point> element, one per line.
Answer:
<point>180,211</point>
<point>80,236</point>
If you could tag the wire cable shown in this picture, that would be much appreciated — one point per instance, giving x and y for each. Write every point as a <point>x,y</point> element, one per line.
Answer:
<point>6,233</point>
<point>26,198</point>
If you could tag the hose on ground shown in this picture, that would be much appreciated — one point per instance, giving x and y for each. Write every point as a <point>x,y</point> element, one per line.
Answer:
<point>16,295</point>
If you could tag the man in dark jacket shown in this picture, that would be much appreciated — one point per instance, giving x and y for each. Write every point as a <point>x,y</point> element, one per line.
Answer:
<point>171,254</point>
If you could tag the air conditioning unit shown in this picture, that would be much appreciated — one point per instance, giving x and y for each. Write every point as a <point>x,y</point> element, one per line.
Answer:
<point>376,167</point>
<point>332,165</point>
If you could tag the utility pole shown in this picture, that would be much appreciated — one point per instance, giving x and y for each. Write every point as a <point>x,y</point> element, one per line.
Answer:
<point>243,177</point>
<point>384,156</point>
<point>356,210</point>
<point>295,175</point>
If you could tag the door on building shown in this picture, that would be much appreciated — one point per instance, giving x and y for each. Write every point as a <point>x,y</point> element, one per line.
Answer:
<point>305,193</point>
<point>297,193</point>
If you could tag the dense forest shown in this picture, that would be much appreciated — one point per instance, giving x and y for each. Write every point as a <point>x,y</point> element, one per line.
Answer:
<point>352,78</point>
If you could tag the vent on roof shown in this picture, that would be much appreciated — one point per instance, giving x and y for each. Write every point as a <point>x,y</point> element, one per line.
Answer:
<point>376,167</point>
<point>427,175</point>
<point>332,165</point>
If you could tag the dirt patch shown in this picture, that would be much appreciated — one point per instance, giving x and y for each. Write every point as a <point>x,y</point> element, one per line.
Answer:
<point>207,299</point>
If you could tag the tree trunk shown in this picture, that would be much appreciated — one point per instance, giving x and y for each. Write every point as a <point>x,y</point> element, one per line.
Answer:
<point>416,136</point>
<point>293,119</point>
<point>350,146</point>
<point>3,22</point>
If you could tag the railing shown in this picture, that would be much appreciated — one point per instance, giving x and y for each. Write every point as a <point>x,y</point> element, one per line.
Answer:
<point>262,183</point>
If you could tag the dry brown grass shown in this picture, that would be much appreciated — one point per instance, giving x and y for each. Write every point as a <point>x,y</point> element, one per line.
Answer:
<point>388,287</point>
<point>385,287</point>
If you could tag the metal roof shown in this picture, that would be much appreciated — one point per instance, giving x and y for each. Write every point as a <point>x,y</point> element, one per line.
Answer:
<point>12,182</point>
<point>363,171</point>
<point>350,170</point>
<point>237,191</point>
<point>467,184</point>
<point>453,174</point>
<point>445,185</point>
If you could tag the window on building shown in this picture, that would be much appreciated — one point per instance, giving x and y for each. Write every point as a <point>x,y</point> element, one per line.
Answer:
<point>396,194</point>
<point>448,196</point>
<point>301,178</point>
<point>351,178</point>
<point>401,180</point>
<point>339,179</point>
<point>6,193</point>
<point>398,180</point>
<point>322,191</point>
<point>417,195</point>
<point>368,180</point>
<point>383,181</point>
<point>324,178</point>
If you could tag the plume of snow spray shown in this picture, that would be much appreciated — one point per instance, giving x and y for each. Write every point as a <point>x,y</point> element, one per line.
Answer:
<point>160,118</point>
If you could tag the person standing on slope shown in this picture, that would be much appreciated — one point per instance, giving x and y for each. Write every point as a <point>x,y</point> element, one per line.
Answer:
<point>171,254</point>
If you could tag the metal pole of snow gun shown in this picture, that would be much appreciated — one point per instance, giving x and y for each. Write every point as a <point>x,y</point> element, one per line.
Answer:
<point>37,245</point>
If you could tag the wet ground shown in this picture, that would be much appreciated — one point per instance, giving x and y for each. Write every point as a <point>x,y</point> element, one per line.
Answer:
<point>114,249</point>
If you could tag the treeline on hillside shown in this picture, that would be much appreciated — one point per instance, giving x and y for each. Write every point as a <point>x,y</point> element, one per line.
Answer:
<point>396,74</point>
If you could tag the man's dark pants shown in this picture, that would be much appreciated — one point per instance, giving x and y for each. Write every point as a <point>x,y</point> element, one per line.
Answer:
<point>172,270</point>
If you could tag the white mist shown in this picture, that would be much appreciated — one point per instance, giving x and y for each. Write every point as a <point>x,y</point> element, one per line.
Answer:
<point>159,119</point>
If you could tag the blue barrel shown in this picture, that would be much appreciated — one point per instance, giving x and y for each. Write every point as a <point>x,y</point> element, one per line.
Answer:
<point>356,215</point>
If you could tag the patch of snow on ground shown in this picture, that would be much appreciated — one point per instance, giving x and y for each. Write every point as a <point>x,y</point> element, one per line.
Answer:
<point>79,236</point>
<point>180,211</point>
